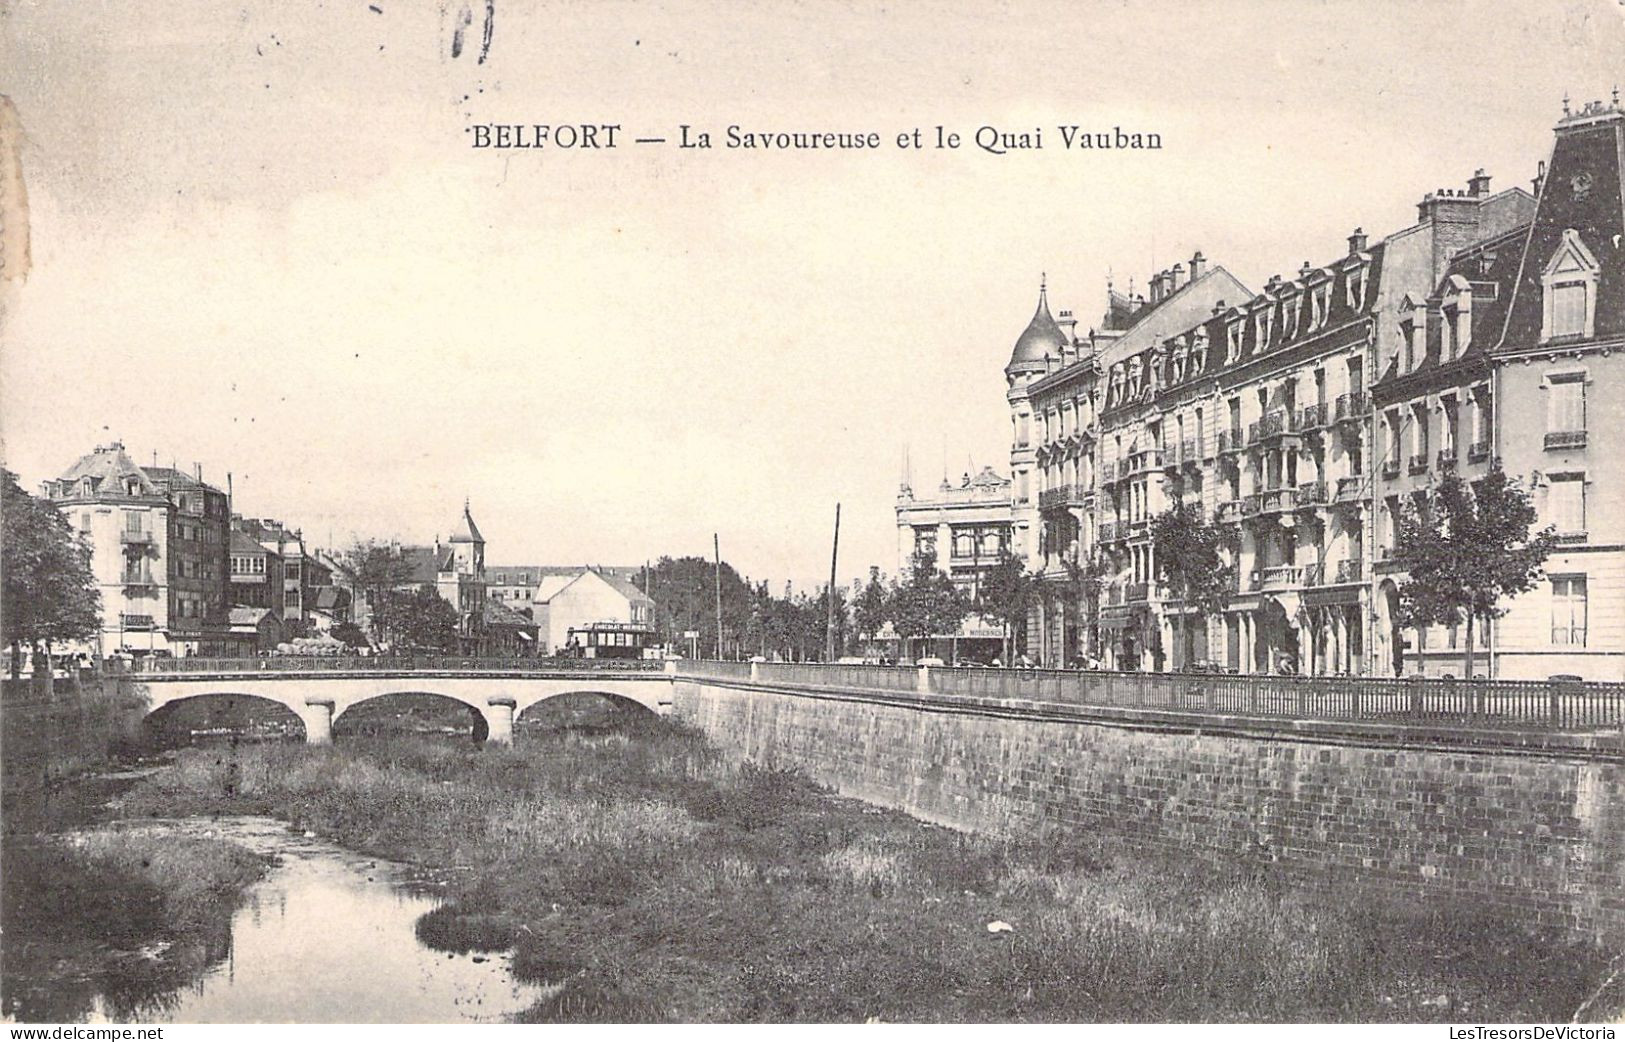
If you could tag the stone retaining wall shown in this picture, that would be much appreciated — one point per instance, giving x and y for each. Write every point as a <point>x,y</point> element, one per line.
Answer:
<point>1530,826</point>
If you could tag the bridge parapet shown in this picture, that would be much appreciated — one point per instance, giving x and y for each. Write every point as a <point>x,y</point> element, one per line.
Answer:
<point>394,663</point>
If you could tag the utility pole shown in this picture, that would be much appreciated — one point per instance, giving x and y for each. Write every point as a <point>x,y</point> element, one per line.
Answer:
<point>716,548</point>
<point>829,596</point>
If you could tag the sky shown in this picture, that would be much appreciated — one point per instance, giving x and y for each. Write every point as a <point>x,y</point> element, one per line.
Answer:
<point>261,241</point>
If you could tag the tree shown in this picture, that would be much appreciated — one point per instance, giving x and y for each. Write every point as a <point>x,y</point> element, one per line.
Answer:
<point>50,592</point>
<point>1467,549</point>
<point>927,602</point>
<point>422,619</point>
<point>869,606</point>
<point>351,634</point>
<point>1186,549</point>
<point>1005,596</point>
<point>684,592</point>
<point>380,571</point>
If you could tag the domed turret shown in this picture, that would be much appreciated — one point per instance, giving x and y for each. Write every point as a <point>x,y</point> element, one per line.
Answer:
<point>1042,339</point>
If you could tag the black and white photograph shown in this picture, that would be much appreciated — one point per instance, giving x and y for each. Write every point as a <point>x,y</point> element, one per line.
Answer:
<point>817,512</point>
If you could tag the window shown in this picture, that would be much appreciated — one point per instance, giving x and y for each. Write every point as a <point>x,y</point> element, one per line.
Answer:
<point>1569,309</point>
<point>1569,610</point>
<point>1566,503</point>
<point>1569,288</point>
<point>1566,403</point>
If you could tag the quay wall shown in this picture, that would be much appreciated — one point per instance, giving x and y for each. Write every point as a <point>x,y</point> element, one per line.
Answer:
<point>1529,827</point>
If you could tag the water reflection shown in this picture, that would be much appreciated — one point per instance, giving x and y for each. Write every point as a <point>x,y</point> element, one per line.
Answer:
<point>327,936</point>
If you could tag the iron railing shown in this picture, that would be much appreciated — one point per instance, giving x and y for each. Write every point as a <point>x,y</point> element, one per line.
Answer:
<point>1545,706</point>
<point>391,664</point>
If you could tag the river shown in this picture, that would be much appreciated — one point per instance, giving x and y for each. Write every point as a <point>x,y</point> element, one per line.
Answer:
<point>329,936</point>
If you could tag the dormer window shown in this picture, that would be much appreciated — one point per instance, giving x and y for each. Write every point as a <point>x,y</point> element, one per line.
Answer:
<point>1410,331</point>
<point>1354,287</point>
<point>1289,318</point>
<point>1320,300</point>
<point>1261,327</point>
<point>1198,360</point>
<point>1569,287</point>
<point>1232,343</point>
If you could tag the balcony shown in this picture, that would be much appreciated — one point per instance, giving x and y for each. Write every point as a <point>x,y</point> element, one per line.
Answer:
<point>1233,440</point>
<point>1114,596</point>
<point>1570,537</point>
<point>1447,459</point>
<point>1140,462</point>
<point>138,585</point>
<point>130,538</point>
<point>1061,496</point>
<point>1271,426</point>
<point>1190,452</point>
<point>1108,532</point>
<point>1348,490</point>
<point>1229,512</point>
<point>1390,469</point>
<point>1252,505</point>
<point>1275,500</point>
<point>1556,440</point>
<point>1310,494</point>
<point>1478,451</point>
<point>1418,463</point>
<point>1350,571</point>
<point>1311,417</point>
<point>1351,407</point>
<point>1279,577</point>
<point>1134,592</point>
<point>1314,575</point>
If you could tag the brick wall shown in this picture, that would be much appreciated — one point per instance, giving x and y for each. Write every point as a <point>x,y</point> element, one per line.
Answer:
<point>1534,834</point>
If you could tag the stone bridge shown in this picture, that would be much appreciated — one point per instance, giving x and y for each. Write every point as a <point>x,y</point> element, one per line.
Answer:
<point>320,697</point>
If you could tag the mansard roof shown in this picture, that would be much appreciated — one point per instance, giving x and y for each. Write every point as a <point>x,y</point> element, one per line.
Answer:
<point>1485,271</point>
<point>1215,325</point>
<point>1583,193</point>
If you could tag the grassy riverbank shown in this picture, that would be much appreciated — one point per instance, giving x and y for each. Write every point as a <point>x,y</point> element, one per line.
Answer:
<point>118,913</point>
<point>654,882</point>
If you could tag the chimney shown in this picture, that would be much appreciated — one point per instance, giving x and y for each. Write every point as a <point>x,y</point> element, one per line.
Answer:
<point>1198,265</point>
<point>1304,271</point>
<point>197,471</point>
<point>1218,307</point>
<point>1176,279</point>
<point>1539,178</point>
<point>1479,183</point>
<point>1069,325</point>
<point>1357,241</point>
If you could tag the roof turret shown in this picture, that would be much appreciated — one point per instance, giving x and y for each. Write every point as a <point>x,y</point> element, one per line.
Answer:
<point>1042,339</point>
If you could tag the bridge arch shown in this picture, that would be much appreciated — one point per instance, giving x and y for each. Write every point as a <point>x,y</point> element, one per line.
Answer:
<point>534,710</point>
<point>357,714</point>
<point>223,708</point>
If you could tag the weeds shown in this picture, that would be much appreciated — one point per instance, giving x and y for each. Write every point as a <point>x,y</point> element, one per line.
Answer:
<point>641,878</point>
